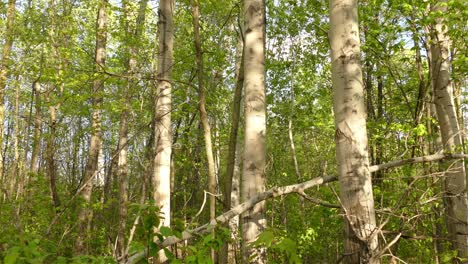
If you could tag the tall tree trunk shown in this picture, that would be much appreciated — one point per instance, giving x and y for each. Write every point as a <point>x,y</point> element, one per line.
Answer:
<point>51,166</point>
<point>92,166</point>
<point>253,179</point>
<point>162,129</point>
<point>4,71</point>
<point>456,200</point>
<point>225,255</point>
<point>361,242</point>
<point>202,109</point>
<point>131,68</point>
<point>122,175</point>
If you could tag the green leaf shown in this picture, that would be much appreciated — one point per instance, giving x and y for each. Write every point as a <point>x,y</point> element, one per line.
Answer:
<point>265,238</point>
<point>165,231</point>
<point>12,255</point>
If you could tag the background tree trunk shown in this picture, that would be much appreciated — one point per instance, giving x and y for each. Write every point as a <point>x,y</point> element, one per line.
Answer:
<point>36,144</point>
<point>4,71</point>
<point>133,33</point>
<point>203,114</point>
<point>232,157</point>
<point>92,166</point>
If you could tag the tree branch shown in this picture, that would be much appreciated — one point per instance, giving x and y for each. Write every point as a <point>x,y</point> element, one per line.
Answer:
<point>429,158</point>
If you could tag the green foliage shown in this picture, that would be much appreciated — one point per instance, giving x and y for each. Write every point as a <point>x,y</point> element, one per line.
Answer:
<point>280,249</point>
<point>54,43</point>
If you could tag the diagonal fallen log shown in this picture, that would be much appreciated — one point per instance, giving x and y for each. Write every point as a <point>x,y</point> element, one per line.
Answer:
<point>279,191</point>
<point>237,210</point>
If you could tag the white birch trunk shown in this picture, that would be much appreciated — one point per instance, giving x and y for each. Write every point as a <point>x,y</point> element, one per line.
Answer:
<point>253,181</point>
<point>456,200</point>
<point>162,132</point>
<point>351,136</point>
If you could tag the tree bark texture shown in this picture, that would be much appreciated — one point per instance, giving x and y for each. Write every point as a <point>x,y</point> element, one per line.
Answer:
<point>456,200</point>
<point>253,176</point>
<point>356,196</point>
<point>162,128</point>
<point>4,71</point>
<point>92,168</point>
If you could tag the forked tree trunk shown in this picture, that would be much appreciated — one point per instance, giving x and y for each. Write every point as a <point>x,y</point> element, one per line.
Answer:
<point>162,128</point>
<point>92,168</point>
<point>456,200</point>
<point>203,114</point>
<point>4,71</point>
<point>253,179</point>
<point>361,242</point>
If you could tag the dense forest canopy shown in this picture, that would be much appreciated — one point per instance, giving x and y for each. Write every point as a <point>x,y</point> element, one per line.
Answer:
<point>253,131</point>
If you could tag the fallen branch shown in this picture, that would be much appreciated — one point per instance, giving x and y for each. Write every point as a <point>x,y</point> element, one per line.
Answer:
<point>279,191</point>
<point>237,210</point>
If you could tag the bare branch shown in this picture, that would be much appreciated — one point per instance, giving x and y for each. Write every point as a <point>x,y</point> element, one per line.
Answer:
<point>279,191</point>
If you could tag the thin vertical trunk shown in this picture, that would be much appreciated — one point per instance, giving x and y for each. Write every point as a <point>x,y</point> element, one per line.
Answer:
<point>202,110</point>
<point>122,166</point>
<point>422,90</point>
<point>122,175</point>
<point>4,71</point>
<point>92,165</point>
<point>456,200</point>
<point>235,200</point>
<point>51,166</point>
<point>253,179</point>
<point>361,242</point>
<point>379,175</point>
<point>36,144</point>
<point>226,255</point>
<point>17,173</point>
<point>50,153</point>
<point>162,128</point>
<point>419,111</point>
<point>290,125</point>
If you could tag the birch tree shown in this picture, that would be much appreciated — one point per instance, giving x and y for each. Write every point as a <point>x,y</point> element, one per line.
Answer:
<point>4,71</point>
<point>454,186</point>
<point>356,196</point>
<point>253,176</point>
<point>162,128</point>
